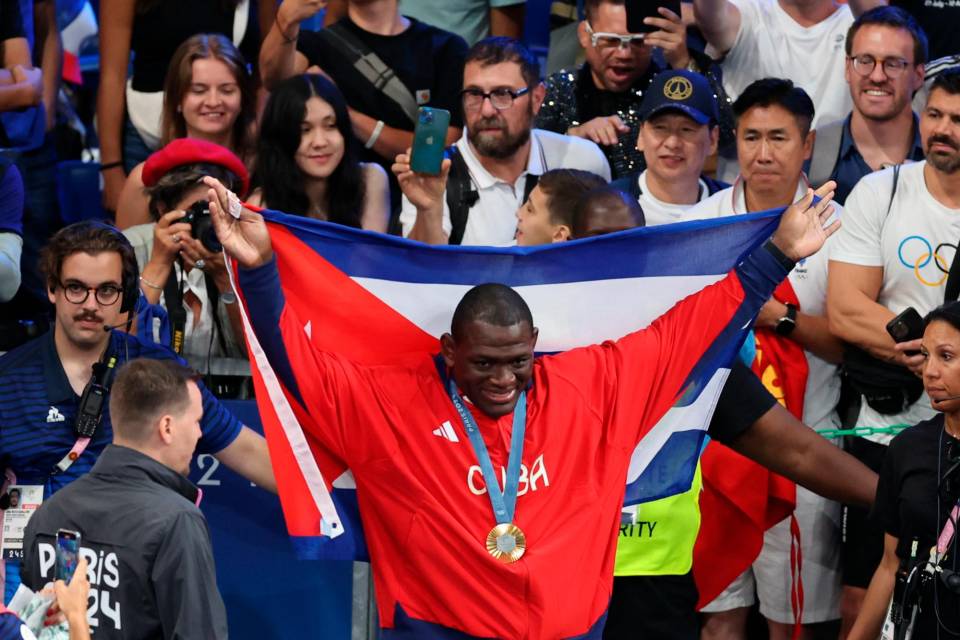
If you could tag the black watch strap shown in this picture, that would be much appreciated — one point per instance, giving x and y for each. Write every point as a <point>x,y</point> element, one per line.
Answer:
<point>788,322</point>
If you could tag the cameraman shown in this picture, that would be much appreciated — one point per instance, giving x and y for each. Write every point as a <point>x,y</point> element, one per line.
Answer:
<point>175,265</point>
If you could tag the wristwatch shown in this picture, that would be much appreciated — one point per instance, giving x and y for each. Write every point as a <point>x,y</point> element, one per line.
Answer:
<point>787,323</point>
<point>228,297</point>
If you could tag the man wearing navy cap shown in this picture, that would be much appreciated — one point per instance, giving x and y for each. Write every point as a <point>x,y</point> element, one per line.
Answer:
<point>678,132</point>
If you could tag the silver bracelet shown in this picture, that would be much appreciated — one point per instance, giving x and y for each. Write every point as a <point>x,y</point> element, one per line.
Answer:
<point>375,135</point>
<point>150,284</point>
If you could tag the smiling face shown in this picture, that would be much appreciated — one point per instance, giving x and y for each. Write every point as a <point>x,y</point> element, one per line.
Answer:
<point>211,104</point>
<point>877,96</point>
<point>81,324</point>
<point>491,364</point>
<point>772,148</point>
<point>321,143</point>
<point>940,131</point>
<point>941,365</point>
<point>613,68</point>
<point>675,146</point>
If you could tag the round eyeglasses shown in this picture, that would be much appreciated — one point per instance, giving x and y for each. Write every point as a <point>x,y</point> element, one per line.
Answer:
<point>865,64</point>
<point>77,293</point>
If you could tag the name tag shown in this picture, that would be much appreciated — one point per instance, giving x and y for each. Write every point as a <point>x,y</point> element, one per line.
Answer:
<point>25,499</point>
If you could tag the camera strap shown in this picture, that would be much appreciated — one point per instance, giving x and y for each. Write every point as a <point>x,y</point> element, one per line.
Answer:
<point>173,296</point>
<point>90,410</point>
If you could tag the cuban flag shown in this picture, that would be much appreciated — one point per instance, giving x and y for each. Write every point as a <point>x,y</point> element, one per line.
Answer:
<point>381,299</point>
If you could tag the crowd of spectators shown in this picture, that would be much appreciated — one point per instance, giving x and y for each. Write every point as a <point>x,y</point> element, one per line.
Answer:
<point>718,108</point>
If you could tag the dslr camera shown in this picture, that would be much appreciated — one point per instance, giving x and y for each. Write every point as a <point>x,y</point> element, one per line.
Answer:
<point>201,226</point>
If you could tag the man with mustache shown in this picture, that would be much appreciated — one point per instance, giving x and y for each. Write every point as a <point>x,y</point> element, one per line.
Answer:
<point>901,228</point>
<point>886,52</point>
<point>499,157</point>
<point>55,386</point>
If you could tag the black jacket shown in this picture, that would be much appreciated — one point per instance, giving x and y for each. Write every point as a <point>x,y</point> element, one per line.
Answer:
<point>151,570</point>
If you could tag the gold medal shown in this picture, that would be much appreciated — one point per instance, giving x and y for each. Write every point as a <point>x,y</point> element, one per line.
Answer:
<point>506,542</point>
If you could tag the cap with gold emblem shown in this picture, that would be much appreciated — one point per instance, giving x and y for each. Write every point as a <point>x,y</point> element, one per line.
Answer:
<point>680,90</point>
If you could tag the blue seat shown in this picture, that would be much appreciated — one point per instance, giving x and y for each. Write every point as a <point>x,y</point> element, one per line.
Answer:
<point>78,191</point>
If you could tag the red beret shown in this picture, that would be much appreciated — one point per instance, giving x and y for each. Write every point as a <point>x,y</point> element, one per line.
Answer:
<point>184,151</point>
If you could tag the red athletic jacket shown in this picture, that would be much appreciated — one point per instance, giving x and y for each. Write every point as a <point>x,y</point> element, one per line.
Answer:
<point>425,510</point>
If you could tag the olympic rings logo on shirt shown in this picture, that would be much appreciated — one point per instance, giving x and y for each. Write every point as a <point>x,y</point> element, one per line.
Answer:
<point>916,252</point>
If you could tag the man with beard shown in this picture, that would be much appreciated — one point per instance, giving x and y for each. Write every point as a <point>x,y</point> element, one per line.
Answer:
<point>900,234</point>
<point>886,52</point>
<point>496,162</point>
<point>600,101</point>
<point>54,389</point>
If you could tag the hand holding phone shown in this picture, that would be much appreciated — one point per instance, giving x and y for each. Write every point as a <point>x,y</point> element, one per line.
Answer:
<point>637,10</point>
<point>429,140</point>
<point>908,325</point>
<point>68,553</point>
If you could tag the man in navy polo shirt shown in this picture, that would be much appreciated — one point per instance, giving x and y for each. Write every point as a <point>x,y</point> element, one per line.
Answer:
<point>91,274</point>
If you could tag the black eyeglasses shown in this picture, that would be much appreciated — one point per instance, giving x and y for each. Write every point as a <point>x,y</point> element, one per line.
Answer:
<point>500,98</point>
<point>77,293</point>
<point>865,64</point>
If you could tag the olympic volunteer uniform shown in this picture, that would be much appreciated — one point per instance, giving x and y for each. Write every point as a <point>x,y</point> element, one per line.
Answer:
<point>818,517</point>
<point>424,505</point>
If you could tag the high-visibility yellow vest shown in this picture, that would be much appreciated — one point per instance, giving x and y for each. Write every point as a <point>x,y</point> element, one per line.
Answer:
<point>658,539</point>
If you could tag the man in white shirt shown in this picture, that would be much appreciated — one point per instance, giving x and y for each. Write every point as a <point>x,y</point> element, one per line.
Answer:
<point>798,39</point>
<point>496,162</point>
<point>904,225</point>
<point>678,132</point>
<point>773,141</point>
<point>886,52</point>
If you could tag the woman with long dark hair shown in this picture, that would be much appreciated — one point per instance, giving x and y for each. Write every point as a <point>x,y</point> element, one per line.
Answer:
<point>308,158</point>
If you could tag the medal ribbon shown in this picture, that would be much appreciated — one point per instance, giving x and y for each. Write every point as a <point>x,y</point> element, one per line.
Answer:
<point>503,502</point>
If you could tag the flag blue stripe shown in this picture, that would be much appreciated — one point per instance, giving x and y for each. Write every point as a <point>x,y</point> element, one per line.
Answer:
<point>671,470</point>
<point>668,250</point>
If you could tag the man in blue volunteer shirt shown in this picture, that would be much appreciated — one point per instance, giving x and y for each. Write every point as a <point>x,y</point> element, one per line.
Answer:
<point>91,275</point>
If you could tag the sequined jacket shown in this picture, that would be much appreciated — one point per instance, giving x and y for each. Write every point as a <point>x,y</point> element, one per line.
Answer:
<point>573,98</point>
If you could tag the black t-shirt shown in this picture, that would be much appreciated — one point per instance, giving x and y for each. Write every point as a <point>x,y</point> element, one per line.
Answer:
<point>940,20</point>
<point>742,402</point>
<point>159,31</point>
<point>908,507</point>
<point>11,22</point>
<point>429,62</point>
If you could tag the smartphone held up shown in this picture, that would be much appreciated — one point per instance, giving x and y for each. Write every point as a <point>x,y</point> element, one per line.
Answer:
<point>429,140</point>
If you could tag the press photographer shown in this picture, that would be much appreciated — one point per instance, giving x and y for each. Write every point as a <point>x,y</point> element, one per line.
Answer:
<point>182,268</point>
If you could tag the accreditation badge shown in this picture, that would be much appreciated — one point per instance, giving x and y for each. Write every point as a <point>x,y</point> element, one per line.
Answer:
<point>24,499</point>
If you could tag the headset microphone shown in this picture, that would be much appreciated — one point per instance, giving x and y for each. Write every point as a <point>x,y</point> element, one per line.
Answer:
<point>110,327</point>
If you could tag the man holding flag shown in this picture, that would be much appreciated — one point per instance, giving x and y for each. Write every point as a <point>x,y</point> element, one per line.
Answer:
<point>456,559</point>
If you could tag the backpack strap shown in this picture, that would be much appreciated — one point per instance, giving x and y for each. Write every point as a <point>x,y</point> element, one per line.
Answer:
<point>826,151</point>
<point>461,194</point>
<point>371,68</point>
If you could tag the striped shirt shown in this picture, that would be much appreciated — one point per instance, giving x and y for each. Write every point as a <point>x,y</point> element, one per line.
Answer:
<point>38,408</point>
